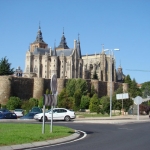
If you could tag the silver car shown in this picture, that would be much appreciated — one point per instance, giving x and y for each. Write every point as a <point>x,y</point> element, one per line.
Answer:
<point>19,112</point>
<point>58,114</point>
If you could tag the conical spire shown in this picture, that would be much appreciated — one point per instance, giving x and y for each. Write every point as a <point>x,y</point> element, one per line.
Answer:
<point>39,37</point>
<point>78,47</point>
<point>63,43</point>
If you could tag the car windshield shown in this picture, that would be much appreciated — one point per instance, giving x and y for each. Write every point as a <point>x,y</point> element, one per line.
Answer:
<point>29,114</point>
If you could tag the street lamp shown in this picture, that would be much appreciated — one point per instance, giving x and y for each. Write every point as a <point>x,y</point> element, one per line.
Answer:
<point>110,75</point>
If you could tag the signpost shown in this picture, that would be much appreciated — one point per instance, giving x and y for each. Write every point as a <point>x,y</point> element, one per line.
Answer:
<point>54,90</point>
<point>122,96</point>
<point>50,100</point>
<point>137,100</point>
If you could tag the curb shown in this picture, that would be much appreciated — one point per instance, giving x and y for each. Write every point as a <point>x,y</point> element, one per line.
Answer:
<point>41,143</point>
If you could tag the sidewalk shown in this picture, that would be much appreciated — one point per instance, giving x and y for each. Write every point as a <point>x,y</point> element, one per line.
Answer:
<point>115,119</point>
<point>104,120</point>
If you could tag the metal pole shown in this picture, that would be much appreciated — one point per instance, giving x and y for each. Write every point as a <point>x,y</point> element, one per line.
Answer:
<point>43,128</point>
<point>51,119</point>
<point>110,83</point>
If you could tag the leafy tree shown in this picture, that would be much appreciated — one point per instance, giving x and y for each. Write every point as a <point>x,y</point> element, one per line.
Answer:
<point>92,91</point>
<point>134,90</point>
<point>85,101</point>
<point>94,103</point>
<point>64,100</point>
<point>145,88</point>
<point>41,102</point>
<point>27,105</point>
<point>5,67</point>
<point>77,99</point>
<point>76,84</point>
<point>95,76</point>
<point>105,102</point>
<point>128,80</point>
<point>13,103</point>
<point>34,101</point>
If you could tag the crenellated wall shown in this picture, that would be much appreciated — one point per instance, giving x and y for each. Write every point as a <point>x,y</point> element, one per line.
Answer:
<point>25,88</point>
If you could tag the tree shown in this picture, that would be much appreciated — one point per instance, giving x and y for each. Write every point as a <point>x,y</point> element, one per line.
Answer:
<point>134,90</point>
<point>34,101</point>
<point>76,84</point>
<point>94,103</point>
<point>64,100</point>
<point>105,102</point>
<point>92,91</point>
<point>5,67</point>
<point>77,99</point>
<point>85,101</point>
<point>13,103</point>
<point>145,88</point>
<point>41,102</point>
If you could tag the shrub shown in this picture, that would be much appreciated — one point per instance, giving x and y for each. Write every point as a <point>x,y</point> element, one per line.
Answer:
<point>13,103</point>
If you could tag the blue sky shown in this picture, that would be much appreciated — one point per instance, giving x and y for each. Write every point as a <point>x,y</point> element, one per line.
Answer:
<point>123,24</point>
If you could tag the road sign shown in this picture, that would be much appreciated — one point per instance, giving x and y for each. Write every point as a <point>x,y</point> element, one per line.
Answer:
<point>54,84</point>
<point>122,96</point>
<point>138,100</point>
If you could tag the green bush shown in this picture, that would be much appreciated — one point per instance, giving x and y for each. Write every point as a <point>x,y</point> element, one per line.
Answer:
<point>34,101</point>
<point>13,103</point>
<point>94,103</point>
<point>85,101</point>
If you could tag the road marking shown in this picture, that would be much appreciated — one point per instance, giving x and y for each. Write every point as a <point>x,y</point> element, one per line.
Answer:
<point>62,142</point>
<point>125,129</point>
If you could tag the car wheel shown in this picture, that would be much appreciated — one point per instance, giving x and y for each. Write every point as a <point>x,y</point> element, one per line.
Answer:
<point>42,119</point>
<point>67,118</point>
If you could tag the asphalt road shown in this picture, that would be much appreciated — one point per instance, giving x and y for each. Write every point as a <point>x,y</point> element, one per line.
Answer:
<point>133,136</point>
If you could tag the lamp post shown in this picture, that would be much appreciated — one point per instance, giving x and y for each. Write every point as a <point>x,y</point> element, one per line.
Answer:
<point>110,75</point>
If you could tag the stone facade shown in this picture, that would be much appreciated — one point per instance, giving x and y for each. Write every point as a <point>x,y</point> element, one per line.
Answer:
<point>42,61</point>
<point>26,88</point>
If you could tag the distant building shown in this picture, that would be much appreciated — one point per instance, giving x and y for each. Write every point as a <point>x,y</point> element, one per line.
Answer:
<point>18,72</point>
<point>43,61</point>
<point>120,75</point>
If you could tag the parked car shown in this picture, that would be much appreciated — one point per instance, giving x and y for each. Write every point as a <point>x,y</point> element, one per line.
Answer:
<point>36,109</point>
<point>58,114</point>
<point>8,115</point>
<point>19,112</point>
<point>4,110</point>
<point>29,115</point>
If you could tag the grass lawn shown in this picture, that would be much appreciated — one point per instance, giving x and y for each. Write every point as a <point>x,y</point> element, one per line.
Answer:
<point>92,115</point>
<point>19,133</point>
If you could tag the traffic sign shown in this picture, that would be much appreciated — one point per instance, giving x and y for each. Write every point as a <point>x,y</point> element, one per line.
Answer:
<point>54,84</point>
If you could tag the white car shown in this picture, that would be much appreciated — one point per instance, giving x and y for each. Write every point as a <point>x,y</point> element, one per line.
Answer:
<point>58,114</point>
<point>19,112</point>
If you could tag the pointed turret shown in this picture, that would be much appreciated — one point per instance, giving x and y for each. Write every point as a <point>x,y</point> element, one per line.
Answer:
<point>63,43</point>
<point>39,37</point>
<point>38,43</point>
<point>78,47</point>
<point>54,53</point>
